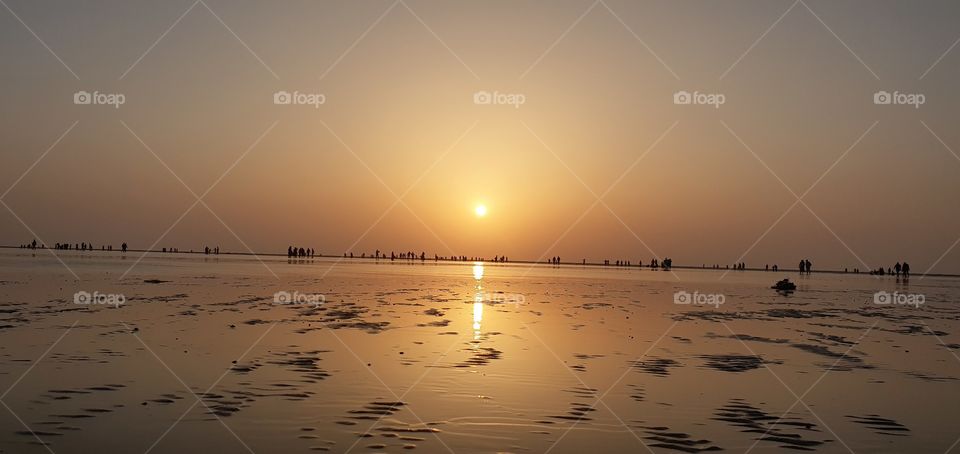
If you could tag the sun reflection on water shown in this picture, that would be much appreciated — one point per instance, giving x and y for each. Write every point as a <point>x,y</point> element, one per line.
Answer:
<point>477,299</point>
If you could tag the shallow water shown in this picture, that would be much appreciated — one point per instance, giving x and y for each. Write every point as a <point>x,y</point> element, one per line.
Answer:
<point>466,358</point>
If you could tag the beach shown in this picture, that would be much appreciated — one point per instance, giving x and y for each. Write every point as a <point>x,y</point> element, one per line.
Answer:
<point>202,353</point>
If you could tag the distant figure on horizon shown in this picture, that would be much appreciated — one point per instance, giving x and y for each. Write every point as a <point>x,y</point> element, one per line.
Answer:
<point>123,247</point>
<point>906,270</point>
<point>896,269</point>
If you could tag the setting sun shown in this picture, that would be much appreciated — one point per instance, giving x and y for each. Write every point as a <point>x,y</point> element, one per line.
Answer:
<point>480,210</point>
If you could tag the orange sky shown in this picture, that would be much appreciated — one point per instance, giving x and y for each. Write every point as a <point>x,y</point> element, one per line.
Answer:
<point>693,182</point>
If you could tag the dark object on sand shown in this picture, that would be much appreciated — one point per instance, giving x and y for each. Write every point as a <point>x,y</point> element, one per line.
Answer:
<point>784,286</point>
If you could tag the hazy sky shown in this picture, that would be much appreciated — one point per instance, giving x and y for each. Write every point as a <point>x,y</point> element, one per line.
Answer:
<point>696,183</point>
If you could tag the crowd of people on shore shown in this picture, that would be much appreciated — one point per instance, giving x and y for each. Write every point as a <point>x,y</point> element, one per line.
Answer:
<point>71,247</point>
<point>897,270</point>
<point>665,264</point>
<point>294,252</point>
<point>413,256</point>
<point>805,266</point>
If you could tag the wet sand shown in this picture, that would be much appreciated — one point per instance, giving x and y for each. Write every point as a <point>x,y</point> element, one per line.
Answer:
<point>457,357</point>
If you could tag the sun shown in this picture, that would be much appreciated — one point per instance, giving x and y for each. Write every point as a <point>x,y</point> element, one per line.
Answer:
<point>480,211</point>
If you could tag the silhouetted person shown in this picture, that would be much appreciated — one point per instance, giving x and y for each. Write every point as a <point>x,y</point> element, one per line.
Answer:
<point>896,268</point>
<point>906,270</point>
<point>123,247</point>
<point>803,266</point>
<point>807,263</point>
